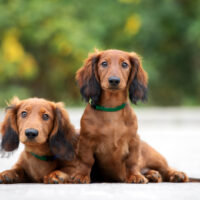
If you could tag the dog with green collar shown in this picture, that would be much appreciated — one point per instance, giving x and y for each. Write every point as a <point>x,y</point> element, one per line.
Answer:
<point>109,139</point>
<point>49,141</point>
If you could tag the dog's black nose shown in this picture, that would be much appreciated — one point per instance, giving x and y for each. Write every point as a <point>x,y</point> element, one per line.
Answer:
<point>114,80</point>
<point>31,133</point>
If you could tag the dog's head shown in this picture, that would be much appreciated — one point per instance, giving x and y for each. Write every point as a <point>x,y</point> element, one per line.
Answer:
<point>35,122</point>
<point>114,71</point>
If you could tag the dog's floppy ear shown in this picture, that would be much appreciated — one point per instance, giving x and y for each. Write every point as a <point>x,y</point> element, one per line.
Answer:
<point>62,136</point>
<point>86,77</point>
<point>9,130</point>
<point>138,80</point>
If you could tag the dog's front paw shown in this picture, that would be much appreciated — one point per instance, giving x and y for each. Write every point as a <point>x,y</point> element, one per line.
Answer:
<point>8,177</point>
<point>176,176</point>
<point>78,178</point>
<point>57,177</point>
<point>153,176</point>
<point>139,178</point>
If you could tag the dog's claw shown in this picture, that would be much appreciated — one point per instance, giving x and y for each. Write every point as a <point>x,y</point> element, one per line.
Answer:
<point>137,179</point>
<point>8,180</point>
<point>55,182</point>
<point>178,177</point>
<point>61,179</point>
<point>80,179</point>
<point>57,177</point>
<point>153,176</point>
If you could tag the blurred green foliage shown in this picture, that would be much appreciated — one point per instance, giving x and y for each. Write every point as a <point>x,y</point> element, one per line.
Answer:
<point>43,43</point>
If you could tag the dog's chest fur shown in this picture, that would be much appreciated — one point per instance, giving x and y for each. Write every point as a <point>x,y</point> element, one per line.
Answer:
<point>113,139</point>
<point>37,169</point>
<point>112,132</point>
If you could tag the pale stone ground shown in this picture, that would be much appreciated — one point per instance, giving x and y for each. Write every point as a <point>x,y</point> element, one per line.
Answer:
<point>175,132</point>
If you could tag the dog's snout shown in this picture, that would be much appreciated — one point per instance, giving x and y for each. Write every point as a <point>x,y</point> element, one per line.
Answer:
<point>114,80</point>
<point>31,133</point>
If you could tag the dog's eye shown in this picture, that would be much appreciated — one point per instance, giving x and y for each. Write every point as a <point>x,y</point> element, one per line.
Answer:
<point>45,117</point>
<point>104,64</point>
<point>24,114</point>
<point>124,65</point>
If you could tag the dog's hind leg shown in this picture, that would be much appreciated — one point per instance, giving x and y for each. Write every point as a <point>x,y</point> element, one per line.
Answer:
<point>153,160</point>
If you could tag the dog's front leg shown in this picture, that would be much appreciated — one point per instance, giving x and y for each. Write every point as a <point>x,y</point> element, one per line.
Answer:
<point>15,175</point>
<point>132,163</point>
<point>85,160</point>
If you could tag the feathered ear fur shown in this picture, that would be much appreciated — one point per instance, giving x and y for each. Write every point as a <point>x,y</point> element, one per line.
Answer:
<point>86,77</point>
<point>138,80</point>
<point>9,130</point>
<point>63,135</point>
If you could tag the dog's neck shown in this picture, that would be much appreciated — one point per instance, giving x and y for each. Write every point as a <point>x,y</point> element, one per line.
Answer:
<point>40,150</point>
<point>113,98</point>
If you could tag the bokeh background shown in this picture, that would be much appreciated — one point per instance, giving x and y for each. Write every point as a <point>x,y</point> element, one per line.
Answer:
<point>44,42</point>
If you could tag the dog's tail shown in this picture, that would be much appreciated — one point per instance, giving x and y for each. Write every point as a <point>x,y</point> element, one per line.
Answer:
<point>194,180</point>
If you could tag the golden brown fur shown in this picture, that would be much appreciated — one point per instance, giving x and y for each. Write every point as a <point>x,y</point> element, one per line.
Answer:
<point>56,136</point>
<point>110,139</point>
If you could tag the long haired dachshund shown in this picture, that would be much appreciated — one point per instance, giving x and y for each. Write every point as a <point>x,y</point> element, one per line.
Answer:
<point>108,135</point>
<point>45,130</point>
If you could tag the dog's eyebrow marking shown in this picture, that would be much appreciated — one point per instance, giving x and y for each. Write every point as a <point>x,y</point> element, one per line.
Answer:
<point>43,110</point>
<point>123,59</point>
<point>27,108</point>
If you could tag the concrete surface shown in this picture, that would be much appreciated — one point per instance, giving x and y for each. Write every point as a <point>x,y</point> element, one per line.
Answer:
<point>175,132</point>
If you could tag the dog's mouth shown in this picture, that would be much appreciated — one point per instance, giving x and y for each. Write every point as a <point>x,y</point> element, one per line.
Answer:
<point>113,88</point>
<point>30,142</point>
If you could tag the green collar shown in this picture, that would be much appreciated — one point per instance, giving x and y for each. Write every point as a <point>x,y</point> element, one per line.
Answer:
<point>44,158</point>
<point>106,109</point>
